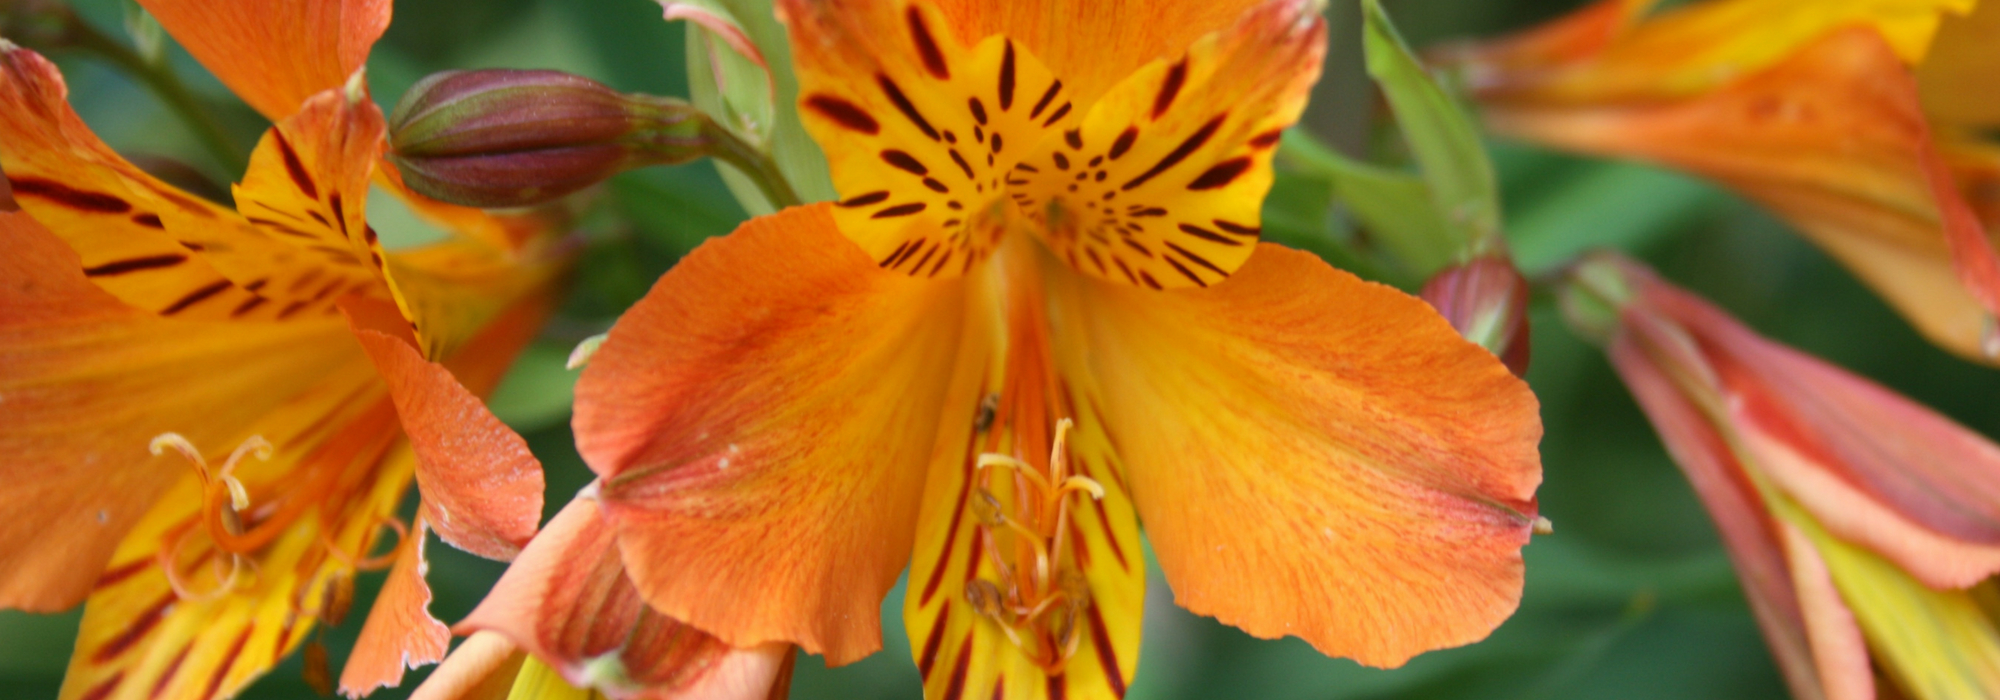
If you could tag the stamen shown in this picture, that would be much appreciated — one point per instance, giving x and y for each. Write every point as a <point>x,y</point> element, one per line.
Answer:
<point>1041,612</point>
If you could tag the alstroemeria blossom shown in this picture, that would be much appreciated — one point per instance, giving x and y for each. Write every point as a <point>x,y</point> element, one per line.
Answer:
<point>1812,108</point>
<point>1857,519</point>
<point>289,374</point>
<point>1038,314</point>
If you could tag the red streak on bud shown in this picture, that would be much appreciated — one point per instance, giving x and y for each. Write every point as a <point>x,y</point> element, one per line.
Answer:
<point>1486,300</point>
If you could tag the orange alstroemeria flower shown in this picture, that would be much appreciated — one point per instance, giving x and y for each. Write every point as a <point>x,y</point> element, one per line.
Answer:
<point>1039,312</point>
<point>1849,118</point>
<point>1859,521</point>
<point>289,375</point>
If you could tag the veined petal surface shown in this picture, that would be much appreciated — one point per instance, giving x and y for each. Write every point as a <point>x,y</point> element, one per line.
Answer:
<point>276,53</point>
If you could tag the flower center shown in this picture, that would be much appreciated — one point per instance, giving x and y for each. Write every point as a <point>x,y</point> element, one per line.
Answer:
<point>1040,597</point>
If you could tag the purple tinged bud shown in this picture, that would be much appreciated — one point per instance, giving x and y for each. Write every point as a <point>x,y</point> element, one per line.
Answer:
<point>1487,301</point>
<point>511,138</point>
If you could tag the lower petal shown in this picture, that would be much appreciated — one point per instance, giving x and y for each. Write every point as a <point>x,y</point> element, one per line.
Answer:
<point>1314,455</point>
<point>400,631</point>
<point>761,421</point>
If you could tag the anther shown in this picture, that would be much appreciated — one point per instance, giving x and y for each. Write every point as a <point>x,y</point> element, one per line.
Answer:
<point>1084,484</point>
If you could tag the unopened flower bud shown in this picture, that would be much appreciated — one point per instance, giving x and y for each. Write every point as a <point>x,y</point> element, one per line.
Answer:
<point>510,138</point>
<point>1487,301</point>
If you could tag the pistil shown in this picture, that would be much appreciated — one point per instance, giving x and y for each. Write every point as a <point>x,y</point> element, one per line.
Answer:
<point>1038,610</point>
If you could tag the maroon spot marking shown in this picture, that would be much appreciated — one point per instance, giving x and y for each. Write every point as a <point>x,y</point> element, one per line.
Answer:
<point>899,210</point>
<point>1047,97</point>
<point>955,689</point>
<point>897,253</point>
<point>1170,88</point>
<point>1095,161</point>
<point>195,297</point>
<point>905,162</point>
<point>1061,112</point>
<point>247,305</point>
<point>1222,174</point>
<point>929,657</point>
<point>254,286</point>
<point>1104,518</point>
<point>1129,243</point>
<point>104,689</point>
<point>950,137</point>
<point>936,186</point>
<point>1074,138</point>
<point>927,45</point>
<point>1267,139</point>
<point>293,167</point>
<point>1062,161</point>
<point>326,291</point>
<point>875,197</point>
<point>996,143</point>
<point>321,219</point>
<point>1147,277</point>
<point>291,308</point>
<point>130,636</point>
<point>228,661</point>
<point>1024,167</point>
<point>1099,176</point>
<point>1058,686</point>
<point>150,262</point>
<point>1105,656</point>
<point>960,160</point>
<point>190,245</point>
<point>167,675</point>
<point>1123,144</point>
<point>978,134</point>
<point>955,206</point>
<point>1239,229</point>
<point>1207,235</point>
<point>305,279</point>
<point>112,577</point>
<point>847,114</point>
<point>1148,211</point>
<point>149,221</point>
<point>1183,269</point>
<point>82,200</point>
<point>914,245</point>
<point>940,263</point>
<point>903,104</point>
<point>928,252</point>
<point>948,223</point>
<point>369,233</point>
<point>1007,78</point>
<point>978,110</point>
<point>1180,153</point>
<point>339,213</point>
<point>1095,260</point>
<point>280,227</point>
<point>1123,268</point>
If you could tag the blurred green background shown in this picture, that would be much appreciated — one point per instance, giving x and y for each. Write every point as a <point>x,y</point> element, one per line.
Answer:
<point>1631,598</point>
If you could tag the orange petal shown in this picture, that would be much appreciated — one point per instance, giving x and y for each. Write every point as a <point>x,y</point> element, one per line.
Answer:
<point>1749,533</point>
<point>107,209</point>
<point>1871,466</point>
<point>1832,139</point>
<point>481,668</point>
<point>1838,650</point>
<point>1683,51</point>
<point>1171,167</point>
<point>567,601</point>
<point>1094,44</point>
<point>482,488</point>
<point>89,382</point>
<point>1314,455</point>
<point>1009,392</point>
<point>921,132</point>
<point>1956,77</point>
<point>400,631</point>
<point>276,53</point>
<point>761,421</point>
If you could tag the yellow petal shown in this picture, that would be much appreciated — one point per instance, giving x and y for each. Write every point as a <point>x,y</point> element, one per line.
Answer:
<point>1957,76</point>
<point>1012,388</point>
<point>400,632</point>
<point>1163,183</point>
<point>1315,455</point>
<point>922,133</point>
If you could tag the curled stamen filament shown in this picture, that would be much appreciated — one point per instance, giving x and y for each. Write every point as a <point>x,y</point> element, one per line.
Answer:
<point>374,563</point>
<point>1049,602</point>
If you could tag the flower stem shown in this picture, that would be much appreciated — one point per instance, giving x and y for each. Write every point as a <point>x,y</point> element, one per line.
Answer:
<point>170,90</point>
<point>753,163</point>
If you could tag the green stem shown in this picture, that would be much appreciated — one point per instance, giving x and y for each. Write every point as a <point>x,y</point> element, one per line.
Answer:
<point>170,90</point>
<point>755,164</point>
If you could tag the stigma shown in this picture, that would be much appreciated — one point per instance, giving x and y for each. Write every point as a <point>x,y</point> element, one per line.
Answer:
<point>1039,597</point>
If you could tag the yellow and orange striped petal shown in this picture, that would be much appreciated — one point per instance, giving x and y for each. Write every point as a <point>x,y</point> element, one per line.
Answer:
<point>568,601</point>
<point>108,210</point>
<point>1013,388</point>
<point>1094,44</point>
<point>90,382</point>
<point>141,638</point>
<point>1314,455</point>
<point>1832,139</point>
<point>1956,76</point>
<point>400,631</point>
<point>1163,183</point>
<point>921,132</point>
<point>276,53</point>
<point>761,421</point>
<point>1692,49</point>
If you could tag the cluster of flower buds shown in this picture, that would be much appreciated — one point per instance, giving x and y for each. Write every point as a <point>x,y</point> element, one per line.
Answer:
<point>513,138</point>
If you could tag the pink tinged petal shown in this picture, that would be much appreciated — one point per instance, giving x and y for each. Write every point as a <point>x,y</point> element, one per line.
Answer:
<point>1839,652</point>
<point>1876,468</point>
<point>400,631</point>
<point>719,25</point>
<point>482,488</point>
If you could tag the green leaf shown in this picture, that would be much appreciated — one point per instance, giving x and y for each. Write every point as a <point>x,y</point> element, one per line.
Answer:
<point>1611,205</point>
<point>1441,135</point>
<point>1396,207</point>
<point>536,391</point>
<point>798,157</point>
